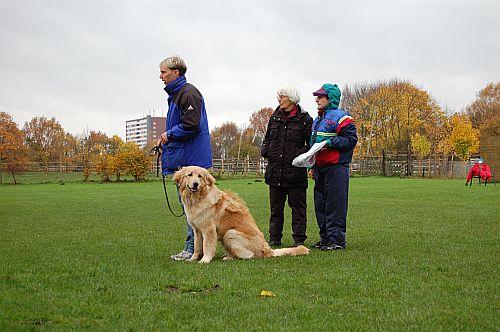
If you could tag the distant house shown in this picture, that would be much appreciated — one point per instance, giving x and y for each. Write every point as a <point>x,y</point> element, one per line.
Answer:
<point>144,130</point>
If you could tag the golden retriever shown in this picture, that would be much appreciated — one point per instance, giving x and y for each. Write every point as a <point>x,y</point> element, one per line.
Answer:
<point>220,215</point>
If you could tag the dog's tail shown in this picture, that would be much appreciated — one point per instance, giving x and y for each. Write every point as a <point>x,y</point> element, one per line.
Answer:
<point>295,251</point>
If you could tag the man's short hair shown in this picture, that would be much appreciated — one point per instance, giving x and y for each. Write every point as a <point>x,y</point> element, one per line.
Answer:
<point>291,92</point>
<point>175,62</point>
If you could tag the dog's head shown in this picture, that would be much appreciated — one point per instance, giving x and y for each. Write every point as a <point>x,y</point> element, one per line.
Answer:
<point>194,179</point>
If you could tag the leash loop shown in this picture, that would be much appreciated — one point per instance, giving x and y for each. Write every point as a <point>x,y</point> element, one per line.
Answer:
<point>157,151</point>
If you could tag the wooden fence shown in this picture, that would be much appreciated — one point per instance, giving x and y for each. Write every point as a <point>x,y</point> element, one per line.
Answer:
<point>399,165</point>
<point>390,165</point>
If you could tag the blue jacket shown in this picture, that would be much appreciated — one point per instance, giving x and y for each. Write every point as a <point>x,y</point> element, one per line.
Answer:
<point>187,128</point>
<point>337,127</point>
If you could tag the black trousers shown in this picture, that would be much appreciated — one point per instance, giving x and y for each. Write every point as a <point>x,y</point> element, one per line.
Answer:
<point>298,204</point>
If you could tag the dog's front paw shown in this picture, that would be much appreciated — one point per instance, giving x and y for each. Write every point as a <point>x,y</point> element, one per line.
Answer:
<point>192,259</point>
<point>205,260</point>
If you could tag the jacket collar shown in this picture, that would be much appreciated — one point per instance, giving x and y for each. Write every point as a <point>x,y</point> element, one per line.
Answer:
<point>174,86</point>
<point>296,112</point>
<point>323,111</point>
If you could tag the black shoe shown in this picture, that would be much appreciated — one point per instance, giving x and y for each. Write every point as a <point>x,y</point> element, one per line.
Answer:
<point>318,245</point>
<point>332,246</point>
<point>274,244</point>
<point>296,244</point>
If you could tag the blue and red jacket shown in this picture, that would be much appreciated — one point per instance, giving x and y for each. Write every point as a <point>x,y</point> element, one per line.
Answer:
<point>337,127</point>
<point>187,128</point>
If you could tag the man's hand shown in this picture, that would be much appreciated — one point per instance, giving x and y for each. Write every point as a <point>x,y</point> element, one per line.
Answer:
<point>163,139</point>
<point>311,173</point>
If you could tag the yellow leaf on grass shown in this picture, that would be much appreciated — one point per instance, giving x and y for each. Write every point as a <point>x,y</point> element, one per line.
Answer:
<point>267,293</point>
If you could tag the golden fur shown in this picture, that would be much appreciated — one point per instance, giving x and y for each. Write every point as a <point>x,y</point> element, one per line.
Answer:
<point>220,215</point>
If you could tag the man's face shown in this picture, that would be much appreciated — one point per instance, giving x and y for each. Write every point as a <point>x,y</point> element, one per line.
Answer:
<point>167,75</point>
<point>322,102</point>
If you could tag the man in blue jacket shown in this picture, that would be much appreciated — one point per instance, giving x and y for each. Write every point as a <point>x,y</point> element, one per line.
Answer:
<point>186,141</point>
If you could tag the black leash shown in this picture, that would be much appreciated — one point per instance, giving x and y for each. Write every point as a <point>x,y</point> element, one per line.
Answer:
<point>157,151</point>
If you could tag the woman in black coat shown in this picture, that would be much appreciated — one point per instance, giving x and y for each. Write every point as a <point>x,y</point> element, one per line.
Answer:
<point>287,136</point>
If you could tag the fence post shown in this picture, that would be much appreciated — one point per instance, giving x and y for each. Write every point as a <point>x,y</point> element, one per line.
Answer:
<point>383,162</point>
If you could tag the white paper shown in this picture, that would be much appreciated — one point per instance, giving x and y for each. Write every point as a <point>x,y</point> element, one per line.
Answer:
<point>307,159</point>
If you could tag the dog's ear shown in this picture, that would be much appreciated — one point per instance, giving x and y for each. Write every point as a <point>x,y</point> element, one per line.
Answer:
<point>177,178</point>
<point>209,178</point>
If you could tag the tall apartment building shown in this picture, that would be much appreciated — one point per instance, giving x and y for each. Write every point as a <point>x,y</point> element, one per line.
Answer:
<point>144,130</point>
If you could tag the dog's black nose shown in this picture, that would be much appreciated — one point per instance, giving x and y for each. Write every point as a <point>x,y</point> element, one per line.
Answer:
<point>195,185</point>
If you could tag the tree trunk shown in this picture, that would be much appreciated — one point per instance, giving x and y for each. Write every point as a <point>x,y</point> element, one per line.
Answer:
<point>14,177</point>
<point>46,171</point>
<point>451,168</point>
<point>429,167</point>
<point>372,123</point>
<point>408,160</point>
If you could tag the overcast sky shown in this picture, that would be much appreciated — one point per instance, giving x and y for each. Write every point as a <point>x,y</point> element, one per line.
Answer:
<point>94,64</point>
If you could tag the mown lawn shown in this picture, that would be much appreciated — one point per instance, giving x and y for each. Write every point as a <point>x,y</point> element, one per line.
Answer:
<point>422,255</point>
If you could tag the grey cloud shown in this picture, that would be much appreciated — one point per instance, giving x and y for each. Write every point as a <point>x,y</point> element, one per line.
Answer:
<point>95,63</point>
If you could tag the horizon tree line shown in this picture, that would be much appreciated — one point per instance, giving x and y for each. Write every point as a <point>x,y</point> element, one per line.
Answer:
<point>391,117</point>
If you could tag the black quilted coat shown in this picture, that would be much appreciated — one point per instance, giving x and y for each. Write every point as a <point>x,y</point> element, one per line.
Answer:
<point>285,139</point>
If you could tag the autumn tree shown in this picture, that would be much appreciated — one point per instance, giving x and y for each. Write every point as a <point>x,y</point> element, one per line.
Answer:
<point>104,159</point>
<point>355,101</point>
<point>103,165</point>
<point>112,156</point>
<point>245,147</point>
<point>484,112</point>
<point>116,164</point>
<point>388,114</point>
<point>464,139</point>
<point>223,138</point>
<point>258,125</point>
<point>44,139</point>
<point>134,159</point>
<point>13,153</point>
<point>91,145</point>
<point>434,129</point>
<point>420,145</point>
<point>69,153</point>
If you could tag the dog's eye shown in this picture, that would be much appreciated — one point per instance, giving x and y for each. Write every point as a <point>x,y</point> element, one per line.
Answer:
<point>199,175</point>
<point>190,174</point>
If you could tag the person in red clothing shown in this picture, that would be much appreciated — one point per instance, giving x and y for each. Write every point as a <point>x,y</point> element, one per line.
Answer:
<point>485,172</point>
<point>479,169</point>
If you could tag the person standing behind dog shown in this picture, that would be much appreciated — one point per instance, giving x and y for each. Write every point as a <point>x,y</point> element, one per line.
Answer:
<point>331,168</point>
<point>287,136</point>
<point>186,141</point>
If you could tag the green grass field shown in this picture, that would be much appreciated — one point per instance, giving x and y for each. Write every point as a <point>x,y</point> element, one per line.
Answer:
<point>422,255</point>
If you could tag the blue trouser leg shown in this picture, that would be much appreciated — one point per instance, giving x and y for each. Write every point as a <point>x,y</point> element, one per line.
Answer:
<point>319,203</point>
<point>332,202</point>
<point>189,244</point>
